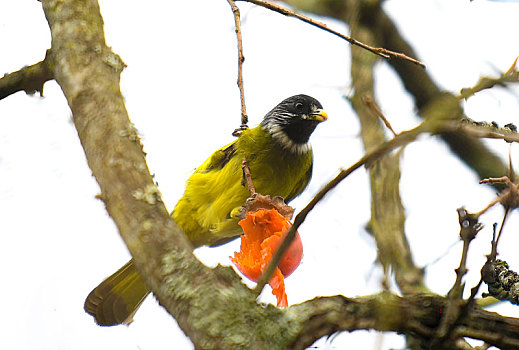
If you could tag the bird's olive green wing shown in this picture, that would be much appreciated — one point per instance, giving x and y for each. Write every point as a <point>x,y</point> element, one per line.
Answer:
<point>218,159</point>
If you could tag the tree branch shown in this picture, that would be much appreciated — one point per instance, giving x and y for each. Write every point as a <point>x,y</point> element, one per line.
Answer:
<point>241,58</point>
<point>456,307</point>
<point>29,79</point>
<point>385,53</point>
<point>417,314</point>
<point>510,76</point>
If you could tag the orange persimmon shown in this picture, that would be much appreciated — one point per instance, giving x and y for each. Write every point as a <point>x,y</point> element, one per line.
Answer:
<point>264,230</point>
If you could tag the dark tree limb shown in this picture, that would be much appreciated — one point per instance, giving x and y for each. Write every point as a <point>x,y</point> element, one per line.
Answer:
<point>418,314</point>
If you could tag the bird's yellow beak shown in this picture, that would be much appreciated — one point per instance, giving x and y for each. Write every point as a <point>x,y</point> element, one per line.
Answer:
<point>318,115</point>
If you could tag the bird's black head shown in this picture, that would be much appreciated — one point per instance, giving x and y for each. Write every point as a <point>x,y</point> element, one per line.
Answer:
<point>293,120</point>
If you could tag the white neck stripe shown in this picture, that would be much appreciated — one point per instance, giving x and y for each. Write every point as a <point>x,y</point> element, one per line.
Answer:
<point>282,139</point>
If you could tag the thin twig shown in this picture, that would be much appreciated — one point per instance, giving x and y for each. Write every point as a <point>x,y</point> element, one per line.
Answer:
<point>509,197</point>
<point>387,54</point>
<point>490,258</point>
<point>248,177</point>
<point>474,290</point>
<point>469,228</point>
<point>454,309</point>
<point>493,253</point>
<point>510,76</point>
<point>241,58</point>
<point>491,204</point>
<point>368,101</point>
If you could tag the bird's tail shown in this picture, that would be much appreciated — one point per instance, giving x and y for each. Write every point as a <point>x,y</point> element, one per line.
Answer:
<point>118,297</point>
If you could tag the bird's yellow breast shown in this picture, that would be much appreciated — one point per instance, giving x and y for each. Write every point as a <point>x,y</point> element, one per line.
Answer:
<point>216,190</point>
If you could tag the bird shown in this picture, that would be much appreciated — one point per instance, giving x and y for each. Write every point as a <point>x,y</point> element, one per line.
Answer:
<point>280,160</point>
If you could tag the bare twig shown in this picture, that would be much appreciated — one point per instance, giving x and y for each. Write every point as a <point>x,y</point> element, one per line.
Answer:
<point>29,79</point>
<point>387,54</point>
<point>469,228</point>
<point>499,197</point>
<point>374,108</point>
<point>490,259</point>
<point>241,58</point>
<point>493,253</point>
<point>509,197</point>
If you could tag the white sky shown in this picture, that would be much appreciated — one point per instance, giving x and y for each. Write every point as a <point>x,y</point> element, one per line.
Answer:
<point>180,90</point>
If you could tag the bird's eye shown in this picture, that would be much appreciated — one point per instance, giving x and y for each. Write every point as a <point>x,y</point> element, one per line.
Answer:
<point>299,106</point>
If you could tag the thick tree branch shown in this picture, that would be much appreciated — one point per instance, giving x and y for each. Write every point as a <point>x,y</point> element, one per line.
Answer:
<point>29,79</point>
<point>418,315</point>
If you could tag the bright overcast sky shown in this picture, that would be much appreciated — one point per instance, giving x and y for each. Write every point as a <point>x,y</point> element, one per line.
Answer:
<point>180,90</point>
